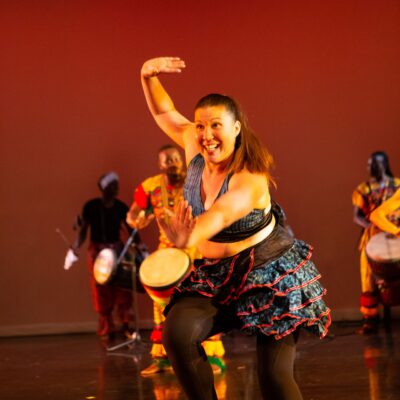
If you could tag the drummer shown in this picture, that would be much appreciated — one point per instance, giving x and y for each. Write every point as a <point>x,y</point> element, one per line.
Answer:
<point>105,216</point>
<point>151,197</point>
<point>368,195</point>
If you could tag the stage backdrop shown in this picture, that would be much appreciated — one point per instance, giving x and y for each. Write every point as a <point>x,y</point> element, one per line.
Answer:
<point>320,82</point>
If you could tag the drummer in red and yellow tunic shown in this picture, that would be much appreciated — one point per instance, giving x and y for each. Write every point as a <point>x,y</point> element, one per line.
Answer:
<point>366,198</point>
<point>151,198</point>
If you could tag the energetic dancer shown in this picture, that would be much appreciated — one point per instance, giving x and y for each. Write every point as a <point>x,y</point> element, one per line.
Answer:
<point>253,275</point>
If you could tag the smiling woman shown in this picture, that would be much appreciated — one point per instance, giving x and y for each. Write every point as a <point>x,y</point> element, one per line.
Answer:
<point>216,133</point>
<point>253,275</point>
<point>224,112</point>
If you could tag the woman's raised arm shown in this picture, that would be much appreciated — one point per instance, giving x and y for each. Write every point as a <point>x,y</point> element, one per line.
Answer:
<point>161,106</point>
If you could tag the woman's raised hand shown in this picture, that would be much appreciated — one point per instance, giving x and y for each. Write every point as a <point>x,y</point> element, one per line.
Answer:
<point>178,227</point>
<point>156,66</point>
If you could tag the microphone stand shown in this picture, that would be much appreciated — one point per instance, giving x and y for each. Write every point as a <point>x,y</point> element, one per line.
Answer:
<point>135,335</point>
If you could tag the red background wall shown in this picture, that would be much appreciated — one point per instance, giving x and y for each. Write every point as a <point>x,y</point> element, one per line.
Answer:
<point>320,82</point>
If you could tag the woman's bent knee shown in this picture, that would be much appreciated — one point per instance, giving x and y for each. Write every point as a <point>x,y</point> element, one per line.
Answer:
<point>174,334</point>
<point>187,326</point>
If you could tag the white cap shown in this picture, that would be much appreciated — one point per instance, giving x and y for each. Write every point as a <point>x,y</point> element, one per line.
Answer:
<point>107,179</point>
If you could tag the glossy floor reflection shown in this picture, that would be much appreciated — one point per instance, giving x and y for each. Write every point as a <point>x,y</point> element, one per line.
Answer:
<point>344,366</point>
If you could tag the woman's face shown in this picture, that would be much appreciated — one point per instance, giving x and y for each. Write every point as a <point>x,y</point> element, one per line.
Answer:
<point>216,132</point>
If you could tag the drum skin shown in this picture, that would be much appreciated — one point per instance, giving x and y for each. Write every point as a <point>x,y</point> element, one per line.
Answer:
<point>383,252</point>
<point>107,272</point>
<point>104,266</point>
<point>162,271</point>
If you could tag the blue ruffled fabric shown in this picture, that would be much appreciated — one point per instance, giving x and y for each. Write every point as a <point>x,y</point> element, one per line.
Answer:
<point>274,298</point>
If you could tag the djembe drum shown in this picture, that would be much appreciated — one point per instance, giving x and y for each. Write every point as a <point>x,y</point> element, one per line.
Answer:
<point>383,252</point>
<point>108,271</point>
<point>161,271</point>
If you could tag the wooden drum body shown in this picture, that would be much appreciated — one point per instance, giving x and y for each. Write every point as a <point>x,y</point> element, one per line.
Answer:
<point>383,252</point>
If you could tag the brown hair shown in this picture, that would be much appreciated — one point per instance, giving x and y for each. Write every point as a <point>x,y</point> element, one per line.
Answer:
<point>249,152</point>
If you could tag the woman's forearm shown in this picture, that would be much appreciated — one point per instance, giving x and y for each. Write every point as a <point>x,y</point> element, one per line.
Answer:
<point>158,100</point>
<point>244,192</point>
<point>207,225</point>
<point>156,96</point>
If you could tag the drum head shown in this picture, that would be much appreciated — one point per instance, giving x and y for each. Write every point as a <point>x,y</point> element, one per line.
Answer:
<point>164,268</point>
<point>383,248</point>
<point>104,266</point>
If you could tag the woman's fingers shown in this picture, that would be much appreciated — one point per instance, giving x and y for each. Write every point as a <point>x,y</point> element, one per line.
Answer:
<point>177,226</point>
<point>188,216</point>
<point>168,212</point>
<point>184,212</point>
<point>166,226</point>
<point>180,211</point>
<point>168,65</point>
<point>173,64</point>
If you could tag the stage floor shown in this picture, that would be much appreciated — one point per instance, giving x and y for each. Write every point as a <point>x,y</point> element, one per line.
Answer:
<point>343,366</point>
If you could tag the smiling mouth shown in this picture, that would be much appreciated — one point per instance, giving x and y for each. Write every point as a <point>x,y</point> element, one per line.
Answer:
<point>211,147</point>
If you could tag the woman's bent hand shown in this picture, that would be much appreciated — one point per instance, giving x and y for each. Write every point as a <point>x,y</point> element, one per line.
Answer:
<point>178,227</point>
<point>156,66</point>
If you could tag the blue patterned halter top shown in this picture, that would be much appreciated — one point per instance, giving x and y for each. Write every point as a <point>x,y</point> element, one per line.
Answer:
<point>239,230</point>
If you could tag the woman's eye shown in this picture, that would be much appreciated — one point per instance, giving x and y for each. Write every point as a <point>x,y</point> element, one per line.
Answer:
<point>199,127</point>
<point>216,125</point>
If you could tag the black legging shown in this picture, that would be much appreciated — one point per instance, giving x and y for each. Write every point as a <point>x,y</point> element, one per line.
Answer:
<point>193,319</point>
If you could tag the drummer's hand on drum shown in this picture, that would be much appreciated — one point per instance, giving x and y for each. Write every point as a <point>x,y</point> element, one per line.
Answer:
<point>158,65</point>
<point>179,226</point>
<point>139,220</point>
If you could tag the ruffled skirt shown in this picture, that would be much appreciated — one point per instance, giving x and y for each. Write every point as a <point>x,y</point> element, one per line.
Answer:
<point>274,297</point>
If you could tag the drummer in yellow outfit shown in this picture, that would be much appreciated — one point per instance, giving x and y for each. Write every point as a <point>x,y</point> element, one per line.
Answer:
<point>151,198</point>
<point>366,198</point>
